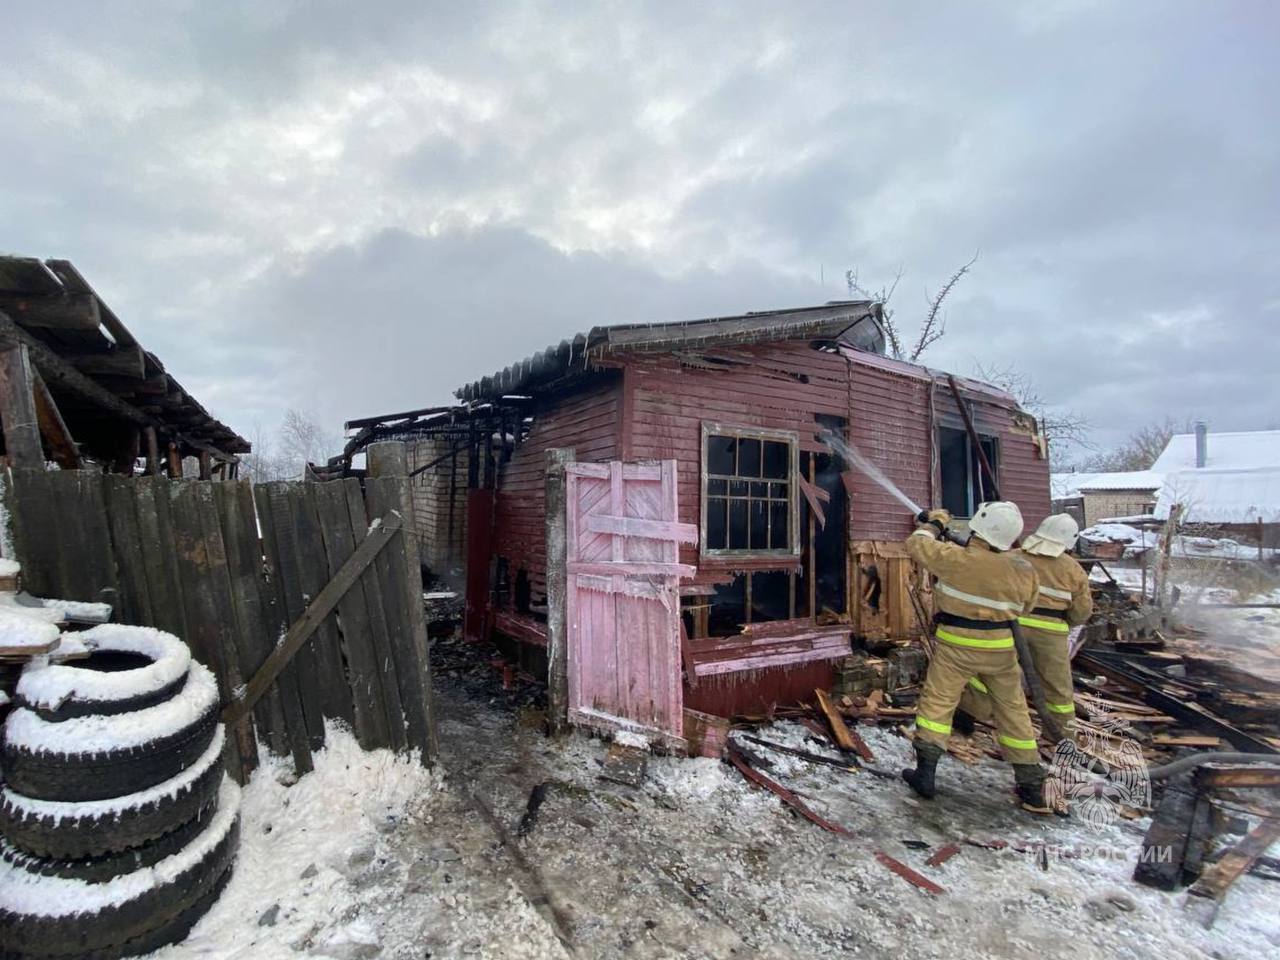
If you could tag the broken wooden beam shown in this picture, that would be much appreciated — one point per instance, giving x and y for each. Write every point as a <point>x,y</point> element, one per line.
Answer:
<point>911,876</point>
<point>68,311</point>
<point>1237,777</point>
<point>379,535</point>
<point>1207,893</point>
<point>785,795</point>
<point>846,739</point>
<point>942,855</point>
<point>18,409</point>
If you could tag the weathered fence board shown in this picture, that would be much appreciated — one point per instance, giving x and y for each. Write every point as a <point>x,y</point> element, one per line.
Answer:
<point>237,571</point>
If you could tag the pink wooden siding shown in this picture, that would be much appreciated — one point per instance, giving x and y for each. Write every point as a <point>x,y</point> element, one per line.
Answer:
<point>586,420</point>
<point>623,599</point>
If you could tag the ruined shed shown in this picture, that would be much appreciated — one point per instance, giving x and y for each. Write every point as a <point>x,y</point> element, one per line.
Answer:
<point>795,553</point>
<point>76,385</point>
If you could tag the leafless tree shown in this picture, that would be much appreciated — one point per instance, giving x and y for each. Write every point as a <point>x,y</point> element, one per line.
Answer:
<point>1066,430</point>
<point>1140,450</point>
<point>299,441</point>
<point>932,328</point>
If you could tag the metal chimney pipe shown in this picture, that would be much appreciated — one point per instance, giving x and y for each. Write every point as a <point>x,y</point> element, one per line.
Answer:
<point>1202,443</point>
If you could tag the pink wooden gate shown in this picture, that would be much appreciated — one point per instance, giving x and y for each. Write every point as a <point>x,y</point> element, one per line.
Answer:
<point>623,597</point>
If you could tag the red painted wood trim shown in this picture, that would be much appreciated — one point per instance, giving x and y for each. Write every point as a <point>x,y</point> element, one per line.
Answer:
<point>909,875</point>
<point>520,627</point>
<point>787,797</point>
<point>943,855</point>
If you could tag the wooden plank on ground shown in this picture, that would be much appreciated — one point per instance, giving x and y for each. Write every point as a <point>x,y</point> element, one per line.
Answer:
<point>785,795</point>
<point>846,739</point>
<point>127,545</point>
<point>1207,893</point>
<point>380,633</point>
<point>329,502</point>
<point>319,608</point>
<point>942,855</point>
<point>906,873</point>
<point>1164,848</point>
<point>1238,777</point>
<point>314,570</point>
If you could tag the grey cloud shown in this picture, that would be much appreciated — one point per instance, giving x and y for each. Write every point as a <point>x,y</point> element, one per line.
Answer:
<point>355,208</point>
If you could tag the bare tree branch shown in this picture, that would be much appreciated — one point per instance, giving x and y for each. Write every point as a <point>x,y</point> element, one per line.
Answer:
<point>935,326</point>
<point>1066,430</point>
<point>932,329</point>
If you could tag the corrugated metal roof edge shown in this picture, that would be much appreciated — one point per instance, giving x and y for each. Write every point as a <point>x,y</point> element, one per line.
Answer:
<point>756,327</point>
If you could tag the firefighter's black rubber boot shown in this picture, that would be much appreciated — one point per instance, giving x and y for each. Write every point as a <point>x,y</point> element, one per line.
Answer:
<point>1028,781</point>
<point>963,723</point>
<point>921,779</point>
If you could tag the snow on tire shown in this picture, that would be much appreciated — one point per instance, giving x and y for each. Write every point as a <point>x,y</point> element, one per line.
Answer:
<point>50,916</point>
<point>108,866</point>
<point>62,830</point>
<point>99,757</point>
<point>63,691</point>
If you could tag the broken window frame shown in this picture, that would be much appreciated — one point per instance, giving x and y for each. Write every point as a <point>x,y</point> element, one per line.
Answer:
<point>789,437</point>
<point>973,482</point>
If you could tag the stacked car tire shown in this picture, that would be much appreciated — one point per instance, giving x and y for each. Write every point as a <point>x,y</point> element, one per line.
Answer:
<point>118,824</point>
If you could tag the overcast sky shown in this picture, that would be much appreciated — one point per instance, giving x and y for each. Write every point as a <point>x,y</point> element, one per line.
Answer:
<point>354,208</point>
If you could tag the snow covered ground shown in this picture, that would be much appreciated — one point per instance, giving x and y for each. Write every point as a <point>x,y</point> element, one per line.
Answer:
<point>371,856</point>
<point>1249,638</point>
<point>1138,539</point>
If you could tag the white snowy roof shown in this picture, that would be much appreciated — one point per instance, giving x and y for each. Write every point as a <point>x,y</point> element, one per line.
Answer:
<point>1246,450</point>
<point>1064,486</point>
<point>1128,480</point>
<point>1212,495</point>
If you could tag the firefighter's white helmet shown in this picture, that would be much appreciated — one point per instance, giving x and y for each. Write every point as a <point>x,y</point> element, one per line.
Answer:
<point>1055,535</point>
<point>999,523</point>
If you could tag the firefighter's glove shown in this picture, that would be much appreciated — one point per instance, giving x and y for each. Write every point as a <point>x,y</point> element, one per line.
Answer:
<point>938,519</point>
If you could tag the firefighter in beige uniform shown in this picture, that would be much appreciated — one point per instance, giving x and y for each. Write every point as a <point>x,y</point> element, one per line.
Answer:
<point>1064,601</point>
<point>980,589</point>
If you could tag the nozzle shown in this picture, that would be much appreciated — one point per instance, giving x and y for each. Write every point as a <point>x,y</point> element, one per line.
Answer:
<point>923,516</point>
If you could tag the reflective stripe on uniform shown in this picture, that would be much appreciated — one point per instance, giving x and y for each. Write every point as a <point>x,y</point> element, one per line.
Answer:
<point>1014,743</point>
<point>1056,594</point>
<point>1052,626</point>
<point>932,725</point>
<point>1061,707</point>
<point>984,643</point>
<point>1007,606</point>
<point>978,685</point>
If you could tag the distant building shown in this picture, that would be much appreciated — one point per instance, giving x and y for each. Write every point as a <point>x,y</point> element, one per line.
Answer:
<point>1230,481</point>
<point>1091,497</point>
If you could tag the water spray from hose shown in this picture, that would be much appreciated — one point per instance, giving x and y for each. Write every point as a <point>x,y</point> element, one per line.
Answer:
<point>853,457</point>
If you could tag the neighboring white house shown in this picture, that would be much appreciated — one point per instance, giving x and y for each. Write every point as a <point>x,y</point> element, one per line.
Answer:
<point>1227,480</point>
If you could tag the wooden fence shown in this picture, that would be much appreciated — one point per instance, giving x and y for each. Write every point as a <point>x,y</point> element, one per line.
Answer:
<point>304,598</point>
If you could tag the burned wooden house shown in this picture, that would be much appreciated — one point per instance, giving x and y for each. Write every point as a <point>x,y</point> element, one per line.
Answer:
<point>697,460</point>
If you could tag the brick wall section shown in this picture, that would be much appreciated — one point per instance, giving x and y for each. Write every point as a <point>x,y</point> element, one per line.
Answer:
<point>1098,505</point>
<point>441,542</point>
